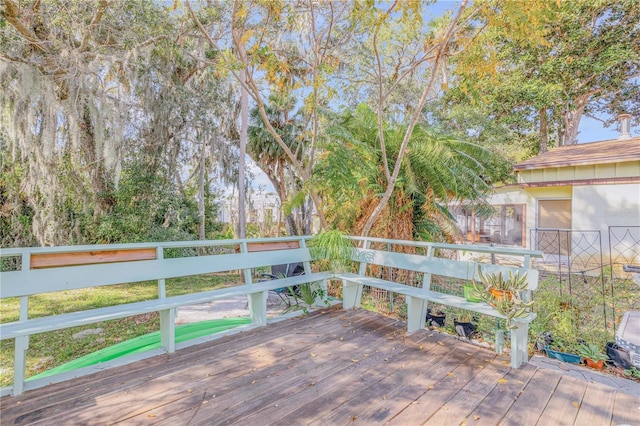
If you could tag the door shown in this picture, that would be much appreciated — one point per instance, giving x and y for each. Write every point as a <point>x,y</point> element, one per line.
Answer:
<point>554,226</point>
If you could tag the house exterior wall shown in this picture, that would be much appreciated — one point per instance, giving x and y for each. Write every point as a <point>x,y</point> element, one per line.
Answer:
<point>626,169</point>
<point>529,197</point>
<point>594,207</point>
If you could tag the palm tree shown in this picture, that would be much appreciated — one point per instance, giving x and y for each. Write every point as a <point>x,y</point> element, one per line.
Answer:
<point>437,171</point>
<point>277,166</point>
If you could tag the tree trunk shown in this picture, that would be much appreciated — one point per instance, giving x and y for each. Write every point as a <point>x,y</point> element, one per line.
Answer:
<point>572,120</point>
<point>244,123</point>
<point>201,211</point>
<point>544,131</point>
<point>102,199</point>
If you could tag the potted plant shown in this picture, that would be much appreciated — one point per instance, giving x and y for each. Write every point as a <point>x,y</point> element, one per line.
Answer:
<point>436,318</point>
<point>334,247</point>
<point>465,327</point>
<point>470,294</point>
<point>592,354</point>
<point>504,294</point>
<point>564,350</point>
<point>619,355</point>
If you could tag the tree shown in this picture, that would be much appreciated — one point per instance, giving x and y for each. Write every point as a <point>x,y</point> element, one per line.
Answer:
<point>287,48</point>
<point>274,162</point>
<point>426,62</point>
<point>438,170</point>
<point>86,86</point>
<point>577,58</point>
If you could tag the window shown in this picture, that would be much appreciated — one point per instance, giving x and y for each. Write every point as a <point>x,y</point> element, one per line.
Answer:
<point>506,226</point>
<point>554,214</point>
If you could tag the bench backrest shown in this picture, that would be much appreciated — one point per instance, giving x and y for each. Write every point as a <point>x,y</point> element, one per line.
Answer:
<point>459,269</point>
<point>59,271</point>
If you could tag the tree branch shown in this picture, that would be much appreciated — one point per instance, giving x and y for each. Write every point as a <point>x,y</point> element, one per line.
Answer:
<point>102,6</point>
<point>414,119</point>
<point>11,13</point>
<point>381,96</point>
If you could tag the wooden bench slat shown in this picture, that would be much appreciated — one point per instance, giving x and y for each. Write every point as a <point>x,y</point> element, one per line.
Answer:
<point>50,260</point>
<point>36,281</point>
<point>438,266</point>
<point>272,246</point>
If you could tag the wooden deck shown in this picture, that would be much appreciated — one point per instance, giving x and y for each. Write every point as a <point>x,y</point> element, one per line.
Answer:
<point>332,367</point>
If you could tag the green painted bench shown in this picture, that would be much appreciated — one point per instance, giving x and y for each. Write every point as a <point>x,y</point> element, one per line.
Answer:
<point>417,298</point>
<point>53,269</point>
<point>46,270</point>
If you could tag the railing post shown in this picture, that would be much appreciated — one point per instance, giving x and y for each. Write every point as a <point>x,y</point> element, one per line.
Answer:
<point>246,272</point>
<point>363,265</point>
<point>257,301</point>
<point>319,301</point>
<point>21,343</point>
<point>306,265</point>
<point>167,316</point>
<point>162,293</point>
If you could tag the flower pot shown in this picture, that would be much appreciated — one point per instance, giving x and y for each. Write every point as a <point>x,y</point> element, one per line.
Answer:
<point>563,356</point>
<point>593,364</point>
<point>500,294</point>
<point>620,356</point>
<point>465,329</point>
<point>469,294</point>
<point>436,319</point>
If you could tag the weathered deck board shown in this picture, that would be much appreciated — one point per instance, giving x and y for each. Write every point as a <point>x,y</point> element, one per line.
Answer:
<point>425,378</point>
<point>626,410</point>
<point>434,396</point>
<point>128,379</point>
<point>230,364</point>
<point>291,372</point>
<point>328,368</point>
<point>131,375</point>
<point>597,405</point>
<point>343,367</point>
<point>458,408</point>
<point>564,404</point>
<point>532,400</point>
<point>394,362</point>
<point>355,404</point>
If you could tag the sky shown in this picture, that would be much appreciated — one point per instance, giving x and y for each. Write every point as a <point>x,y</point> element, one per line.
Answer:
<point>592,130</point>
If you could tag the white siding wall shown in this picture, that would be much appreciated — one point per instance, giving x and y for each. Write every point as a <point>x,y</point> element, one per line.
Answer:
<point>596,207</point>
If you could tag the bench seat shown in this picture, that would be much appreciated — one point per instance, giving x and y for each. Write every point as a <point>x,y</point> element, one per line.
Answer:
<point>417,301</point>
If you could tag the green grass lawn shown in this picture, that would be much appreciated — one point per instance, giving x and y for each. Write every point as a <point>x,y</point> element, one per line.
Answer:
<point>48,350</point>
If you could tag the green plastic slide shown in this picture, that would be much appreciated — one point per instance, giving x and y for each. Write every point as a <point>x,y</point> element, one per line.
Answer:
<point>145,343</point>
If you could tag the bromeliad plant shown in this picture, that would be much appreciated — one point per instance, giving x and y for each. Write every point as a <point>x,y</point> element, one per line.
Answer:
<point>594,356</point>
<point>504,294</point>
